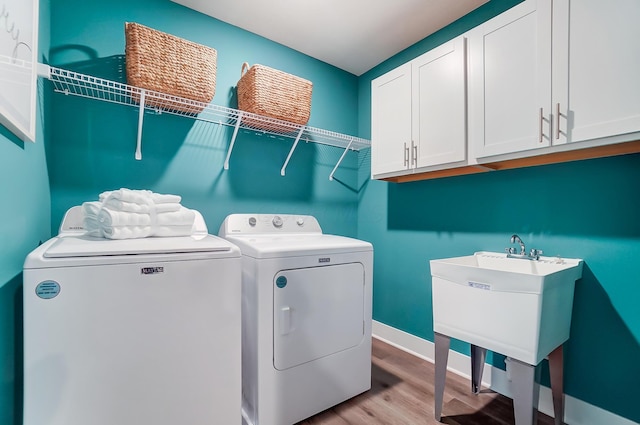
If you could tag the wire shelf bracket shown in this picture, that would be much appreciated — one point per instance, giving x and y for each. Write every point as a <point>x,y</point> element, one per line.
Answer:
<point>236,127</point>
<point>138,154</point>
<point>74,83</point>
<point>340,160</point>
<point>295,144</point>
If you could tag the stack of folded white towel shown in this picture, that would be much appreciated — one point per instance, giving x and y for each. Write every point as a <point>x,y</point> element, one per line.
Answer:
<point>127,214</point>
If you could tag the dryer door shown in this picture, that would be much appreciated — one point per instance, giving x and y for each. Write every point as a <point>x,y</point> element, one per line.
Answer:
<point>317,311</point>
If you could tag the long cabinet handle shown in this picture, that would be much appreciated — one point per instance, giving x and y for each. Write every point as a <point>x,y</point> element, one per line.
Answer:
<point>541,119</point>
<point>557,121</point>
<point>415,154</point>
<point>406,155</point>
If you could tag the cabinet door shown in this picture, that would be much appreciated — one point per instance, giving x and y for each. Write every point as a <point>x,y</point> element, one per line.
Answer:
<point>391,121</point>
<point>439,105</point>
<point>596,66</point>
<point>510,80</point>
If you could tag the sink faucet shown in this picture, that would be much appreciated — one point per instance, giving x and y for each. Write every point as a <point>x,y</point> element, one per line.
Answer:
<point>511,251</point>
<point>516,239</point>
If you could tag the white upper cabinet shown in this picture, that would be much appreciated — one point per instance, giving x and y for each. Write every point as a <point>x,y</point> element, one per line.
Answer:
<point>510,81</point>
<point>418,113</point>
<point>439,105</point>
<point>551,72</point>
<point>391,121</point>
<point>543,78</point>
<point>596,69</point>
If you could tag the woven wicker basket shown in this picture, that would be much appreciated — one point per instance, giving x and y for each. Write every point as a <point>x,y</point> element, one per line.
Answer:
<point>271,93</point>
<point>170,65</point>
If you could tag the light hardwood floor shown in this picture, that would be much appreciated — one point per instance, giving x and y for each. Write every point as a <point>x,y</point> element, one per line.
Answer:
<point>402,394</point>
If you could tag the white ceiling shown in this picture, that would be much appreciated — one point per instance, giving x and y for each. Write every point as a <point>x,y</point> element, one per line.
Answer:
<point>354,35</point>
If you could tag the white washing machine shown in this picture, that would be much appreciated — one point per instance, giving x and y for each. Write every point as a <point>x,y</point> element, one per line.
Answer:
<point>132,332</point>
<point>306,316</point>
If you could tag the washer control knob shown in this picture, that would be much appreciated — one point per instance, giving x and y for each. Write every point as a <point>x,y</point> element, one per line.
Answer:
<point>300,221</point>
<point>277,221</point>
<point>252,221</point>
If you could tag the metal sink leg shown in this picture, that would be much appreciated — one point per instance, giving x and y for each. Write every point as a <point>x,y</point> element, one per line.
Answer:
<point>525,390</point>
<point>478,354</point>
<point>442,343</point>
<point>557,390</point>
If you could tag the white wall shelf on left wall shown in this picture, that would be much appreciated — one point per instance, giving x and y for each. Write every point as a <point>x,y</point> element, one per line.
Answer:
<point>74,83</point>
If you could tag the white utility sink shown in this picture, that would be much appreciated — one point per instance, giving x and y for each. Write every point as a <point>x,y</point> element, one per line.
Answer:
<point>517,307</point>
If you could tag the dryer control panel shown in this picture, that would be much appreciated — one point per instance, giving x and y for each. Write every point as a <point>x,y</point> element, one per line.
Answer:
<point>267,224</point>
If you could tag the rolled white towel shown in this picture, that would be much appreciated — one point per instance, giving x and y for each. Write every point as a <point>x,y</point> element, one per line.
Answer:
<point>126,232</point>
<point>91,208</point>
<point>128,225</point>
<point>128,214</point>
<point>133,232</point>
<point>90,221</point>
<point>182,217</point>
<point>118,205</point>
<point>140,196</point>
<point>113,218</point>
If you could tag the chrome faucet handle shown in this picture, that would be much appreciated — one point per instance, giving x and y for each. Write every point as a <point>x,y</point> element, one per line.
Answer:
<point>510,250</point>
<point>535,253</point>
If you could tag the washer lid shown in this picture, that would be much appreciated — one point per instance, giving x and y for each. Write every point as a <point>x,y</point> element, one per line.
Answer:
<point>292,245</point>
<point>86,246</point>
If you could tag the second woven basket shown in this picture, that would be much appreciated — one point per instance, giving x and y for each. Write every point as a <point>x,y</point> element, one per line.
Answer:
<point>275,94</point>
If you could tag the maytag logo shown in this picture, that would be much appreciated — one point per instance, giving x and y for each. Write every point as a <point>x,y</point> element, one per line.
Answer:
<point>324,260</point>
<point>151,270</point>
<point>477,285</point>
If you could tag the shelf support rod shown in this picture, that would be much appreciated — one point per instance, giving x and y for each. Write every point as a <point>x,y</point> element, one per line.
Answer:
<point>233,141</point>
<point>340,160</point>
<point>295,144</point>
<point>138,154</point>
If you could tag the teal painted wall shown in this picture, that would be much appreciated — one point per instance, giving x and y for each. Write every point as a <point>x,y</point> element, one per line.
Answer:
<point>92,143</point>
<point>24,222</point>
<point>586,209</point>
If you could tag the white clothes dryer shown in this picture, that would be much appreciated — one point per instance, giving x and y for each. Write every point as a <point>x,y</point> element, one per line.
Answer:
<point>306,316</point>
<point>131,332</point>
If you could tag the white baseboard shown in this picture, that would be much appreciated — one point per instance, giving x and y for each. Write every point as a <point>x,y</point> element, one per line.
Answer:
<point>577,412</point>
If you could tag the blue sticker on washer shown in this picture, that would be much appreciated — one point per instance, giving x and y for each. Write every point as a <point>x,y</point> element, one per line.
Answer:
<point>281,282</point>
<point>47,289</point>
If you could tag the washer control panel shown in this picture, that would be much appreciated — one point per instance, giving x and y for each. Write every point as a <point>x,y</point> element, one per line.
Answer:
<point>238,224</point>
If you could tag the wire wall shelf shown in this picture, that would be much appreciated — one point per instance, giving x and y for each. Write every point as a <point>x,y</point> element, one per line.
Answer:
<point>74,83</point>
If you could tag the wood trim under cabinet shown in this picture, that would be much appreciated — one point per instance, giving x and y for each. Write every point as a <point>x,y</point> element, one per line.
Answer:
<point>460,171</point>
<point>531,161</point>
<point>568,156</point>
